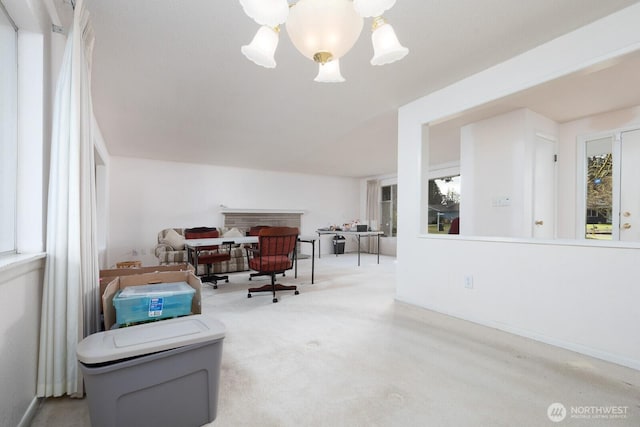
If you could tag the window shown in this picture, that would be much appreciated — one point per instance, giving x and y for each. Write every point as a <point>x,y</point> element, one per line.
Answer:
<point>444,203</point>
<point>389,209</point>
<point>8,131</point>
<point>599,194</point>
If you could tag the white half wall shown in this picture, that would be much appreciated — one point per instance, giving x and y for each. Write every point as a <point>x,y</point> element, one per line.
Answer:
<point>548,291</point>
<point>21,289</point>
<point>147,196</point>
<point>551,292</point>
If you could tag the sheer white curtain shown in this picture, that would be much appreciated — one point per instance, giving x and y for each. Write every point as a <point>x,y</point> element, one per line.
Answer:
<point>373,210</point>
<point>70,309</point>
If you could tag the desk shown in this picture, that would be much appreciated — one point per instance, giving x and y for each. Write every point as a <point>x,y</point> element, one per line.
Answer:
<point>358,234</point>
<point>312,241</point>
<point>194,246</point>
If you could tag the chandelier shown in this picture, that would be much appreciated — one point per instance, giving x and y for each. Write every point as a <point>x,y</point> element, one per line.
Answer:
<point>322,30</point>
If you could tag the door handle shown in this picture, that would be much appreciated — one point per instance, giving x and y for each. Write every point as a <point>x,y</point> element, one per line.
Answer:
<point>626,226</point>
<point>539,222</point>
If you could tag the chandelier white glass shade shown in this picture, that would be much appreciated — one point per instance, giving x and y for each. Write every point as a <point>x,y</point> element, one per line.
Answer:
<point>372,8</point>
<point>386,47</point>
<point>322,30</point>
<point>262,48</point>
<point>266,12</point>
<point>329,72</point>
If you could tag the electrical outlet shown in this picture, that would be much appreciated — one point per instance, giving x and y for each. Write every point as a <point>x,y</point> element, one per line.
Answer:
<point>468,282</point>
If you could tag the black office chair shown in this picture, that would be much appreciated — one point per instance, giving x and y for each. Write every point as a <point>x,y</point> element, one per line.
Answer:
<point>209,255</point>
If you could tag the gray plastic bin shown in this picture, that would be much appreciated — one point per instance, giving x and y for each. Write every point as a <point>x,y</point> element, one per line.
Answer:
<point>164,373</point>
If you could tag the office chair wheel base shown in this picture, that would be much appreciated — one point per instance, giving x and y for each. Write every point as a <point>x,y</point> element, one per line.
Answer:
<point>215,286</point>
<point>249,277</point>
<point>275,300</point>
<point>226,280</point>
<point>296,293</point>
<point>248,295</point>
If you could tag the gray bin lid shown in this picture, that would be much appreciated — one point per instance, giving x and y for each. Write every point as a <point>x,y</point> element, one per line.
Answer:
<point>117,344</point>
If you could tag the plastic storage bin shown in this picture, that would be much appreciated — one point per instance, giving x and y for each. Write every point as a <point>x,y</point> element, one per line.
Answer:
<point>161,374</point>
<point>153,302</point>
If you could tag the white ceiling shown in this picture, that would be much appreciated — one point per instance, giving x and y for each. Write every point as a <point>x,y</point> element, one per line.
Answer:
<point>169,81</point>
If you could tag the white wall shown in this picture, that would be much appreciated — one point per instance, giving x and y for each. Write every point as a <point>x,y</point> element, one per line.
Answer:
<point>147,196</point>
<point>555,293</point>
<point>491,164</point>
<point>21,276</point>
<point>444,145</point>
<point>544,290</point>
<point>496,166</point>
<point>21,289</point>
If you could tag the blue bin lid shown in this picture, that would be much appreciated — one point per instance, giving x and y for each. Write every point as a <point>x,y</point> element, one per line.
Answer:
<point>117,344</point>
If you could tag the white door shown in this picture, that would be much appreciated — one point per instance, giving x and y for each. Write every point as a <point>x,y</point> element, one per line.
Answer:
<point>544,189</point>
<point>630,185</point>
<point>612,186</point>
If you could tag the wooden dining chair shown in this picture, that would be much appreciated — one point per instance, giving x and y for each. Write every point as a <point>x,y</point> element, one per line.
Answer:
<point>255,231</point>
<point>275,254</point>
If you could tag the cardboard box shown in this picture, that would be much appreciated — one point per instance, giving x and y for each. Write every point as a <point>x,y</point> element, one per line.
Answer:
<point>106,276</point>
<point>122,282</point>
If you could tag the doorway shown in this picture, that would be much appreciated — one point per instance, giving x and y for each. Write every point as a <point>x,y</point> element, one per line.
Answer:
<point>544,188</point>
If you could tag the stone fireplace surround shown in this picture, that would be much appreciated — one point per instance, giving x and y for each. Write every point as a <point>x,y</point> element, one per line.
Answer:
<point>244,219</point>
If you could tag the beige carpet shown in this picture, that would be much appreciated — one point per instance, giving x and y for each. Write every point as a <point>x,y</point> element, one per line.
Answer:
<point>344,353</point>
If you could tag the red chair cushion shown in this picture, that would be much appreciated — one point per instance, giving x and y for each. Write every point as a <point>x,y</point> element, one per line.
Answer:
<point>271,263</point>
<point>199,234</point>
<point>213,258</point>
